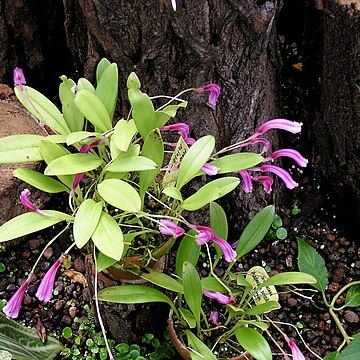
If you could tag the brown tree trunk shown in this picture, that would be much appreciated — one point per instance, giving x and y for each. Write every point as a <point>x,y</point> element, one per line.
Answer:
<point>337,130</point>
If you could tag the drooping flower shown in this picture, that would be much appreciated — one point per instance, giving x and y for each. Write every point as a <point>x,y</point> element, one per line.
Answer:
<point>214,93</point>
<point>19,78</point>
<point>279,124</point>
<point>45,289</point>
<point>281,173</point>
<point>169,228</point>
<point>25,201</point>
<point>290,153</point>
<point>189,141</point>
<point>12,308</point>
<point>254,141</point>
<point>225,247</point>
<point>182,128</point>
<point>214,317</point>
<point>210,170</point>
<point>76,182</point>
<point>267,182</point>
<point>219,297</point>
<point>295,351</point>
<point>247,185</point>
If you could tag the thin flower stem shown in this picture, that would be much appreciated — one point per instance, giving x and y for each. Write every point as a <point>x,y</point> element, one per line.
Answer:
<point>166,97</point>
<point>175,98</point>
<point>98,310</point>
<point>275,342</point>
<point>47,245</point>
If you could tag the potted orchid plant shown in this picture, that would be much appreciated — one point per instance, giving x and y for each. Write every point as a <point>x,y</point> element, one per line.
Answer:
<point>124,178</point>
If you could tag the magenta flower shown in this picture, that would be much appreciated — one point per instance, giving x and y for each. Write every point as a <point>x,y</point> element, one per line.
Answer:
<point>12,308</point>
<point>169,228</point>
<point>25,201</point>
<point>290,153</point>
<point>189,141</point>
<point>254,141</point>
<point>267,182</point>
<point>247,185</point>
<point>281,173</point>
<point>214,93</point>
<point>19,78</point>
<point>210,170</point>
<point>296,353</point>
<point>76,182</point>
<point>280,124</point>
<point>214,317</point>
<point>225,247</point>
<point>44,292</point>
<point>219,297</point>
<point>182,128</point>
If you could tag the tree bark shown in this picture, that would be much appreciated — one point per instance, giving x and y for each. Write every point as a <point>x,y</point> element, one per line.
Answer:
<point>337,130</point>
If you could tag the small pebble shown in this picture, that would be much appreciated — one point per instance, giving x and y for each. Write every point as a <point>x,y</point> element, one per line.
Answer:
<point>79,265</point>
<point>73,311</point>
<point>351,317</point>
<point>66,320</point>
<point>334,287</point>
<point>34,243</point>
<point>48,252</point>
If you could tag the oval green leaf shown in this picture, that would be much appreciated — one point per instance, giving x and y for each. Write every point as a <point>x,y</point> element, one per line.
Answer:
<point>289,278</point>
<point>165,281</point>
<point>218,220</point>
<point>188,250</point>
<point>124,131</point>
<point>131,163</point>
<point>237,162</point>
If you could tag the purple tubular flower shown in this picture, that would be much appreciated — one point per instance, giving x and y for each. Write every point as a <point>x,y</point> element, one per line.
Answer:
<point>210,170</point>
<point>247,182</point>
<point>281,173</point>
<point>214,317</point>
<point>225,247</point>
<point>12,308</point>
<point>279,124</point>
<point>76,182</point>
<point>44,292</point>
<point>19,78</point>
<point>295,351</point>
<point>169,228</point>
<point>189,141</point>
<point>267,182</point>
<point>182,128</point>
<point>214,93</point>
<point>290,153</point>
<point>205,234</point>
<point>219,297</point>
<point>25,201</point>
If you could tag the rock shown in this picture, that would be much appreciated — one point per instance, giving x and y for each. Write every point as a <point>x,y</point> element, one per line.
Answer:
<point>48,252</point>
<point>334,287</point>
<point>338,274</point>
<point>66,320</point>
<point>34,243</point>
<point>351,317</point>
<point>292,302</point>
<point>79,265</point>
<point>73,311</point>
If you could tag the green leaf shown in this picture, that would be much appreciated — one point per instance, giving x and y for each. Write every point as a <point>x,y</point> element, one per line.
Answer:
<point>159,278</point>
<point>163,116</point>
<point>194,159</point>
<point>290,277</point>
<point>173,192</point>
<point>120,194</point>
<point>85,84</point>
<point>188,317</point>
<point>133,294</point>
<point>352,351</point>
<point>40,181</point>
<point>199,347</point>
<point>42,108</point>
<point>73,117</point>
<point>241,281</point>
<point>153,149</point>
<point>331,356</point>
<point>30,222</point>
<point>103,261</point>
<point>254,343</point>
<point>108,237</point>
<point>20,149</point>
<point>124,131</point>
<point>143,111</point>
<point>81,135</point>
<point>73,164</point>
<point>255,231</point>
<point>101,67</point>
<point>192,289</point>
<point>263,308</point>
<point>218,220</point>
<point>188,251</point>
<point>131,163</point>
<point>86,220</point>
<point>24,343</point>
<point>107,88</point>
<point>93,109</point>
<point>353,296</point>
<point>212,284</point>
<point>210,192</point>
<point>309,261</point>
<point>236,162</point>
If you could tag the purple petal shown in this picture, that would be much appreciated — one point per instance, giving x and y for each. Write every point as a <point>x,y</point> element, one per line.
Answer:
<point>219,297</point>
<point>205,234</point>
<point>45,289</point>
<point>210,170</point>
<point>169,228</point>
<point>225,247</point>
<point>267,182</point>
<point>296,353</point>
<point>279,124</point>
<point>182,128</point>
<point>214,317</point>
<point>293,154</point>
<point>214,93</point>
<point>247,182</point>
<point>281,173</point>
<point>12,308</point>
<point>189,141</point>
<point>76,182</point>
<point>25,201</point>
<point>19,77</point>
